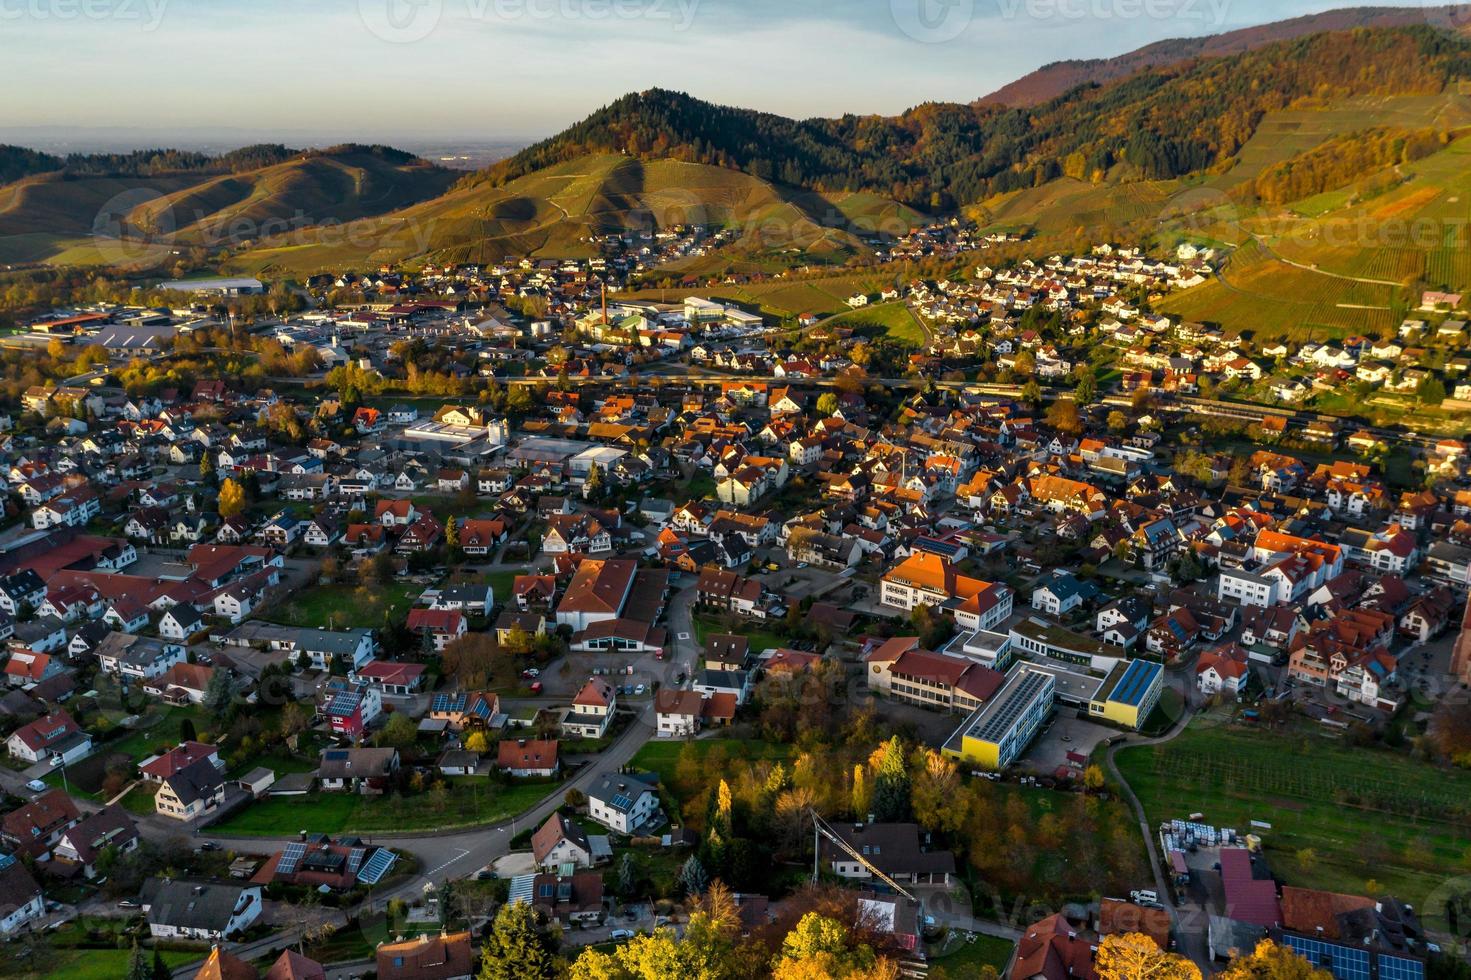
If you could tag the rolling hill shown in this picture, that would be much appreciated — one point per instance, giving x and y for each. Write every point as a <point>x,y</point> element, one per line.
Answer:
<point>1057,79</point>
<point>80,217</point>
<point>555,211</point>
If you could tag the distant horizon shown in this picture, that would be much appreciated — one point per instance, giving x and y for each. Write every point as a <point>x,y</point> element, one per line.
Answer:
<point>507,73</point>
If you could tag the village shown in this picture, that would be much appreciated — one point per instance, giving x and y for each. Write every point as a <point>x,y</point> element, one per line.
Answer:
<point>459,605</point>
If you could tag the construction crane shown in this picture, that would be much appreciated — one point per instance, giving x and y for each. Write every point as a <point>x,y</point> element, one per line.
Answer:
<point>821,828</point>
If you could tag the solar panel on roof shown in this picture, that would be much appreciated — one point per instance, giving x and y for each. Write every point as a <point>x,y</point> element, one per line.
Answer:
<point>377,866</point>
<point>621,802</point>
<point>1344,962</point>
<point>355,859</point>
<point>336,755</point>
<point>1001,722</point>
<point>1400,968</point>
<point>1131,688</point>
<point>291,856</point>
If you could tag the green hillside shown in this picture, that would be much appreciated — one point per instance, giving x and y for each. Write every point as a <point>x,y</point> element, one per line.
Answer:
<point>82,218</point>
<point>554,212</point>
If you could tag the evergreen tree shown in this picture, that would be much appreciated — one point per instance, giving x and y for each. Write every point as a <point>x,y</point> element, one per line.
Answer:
<point>891,784</point>
<point>516,949</point>
<point>138,966</point>
<point>692,877</point>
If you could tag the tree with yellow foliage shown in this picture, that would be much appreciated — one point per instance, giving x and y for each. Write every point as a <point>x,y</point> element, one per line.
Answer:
<point>1272,962</point>
<point>231,501</point>
<point>822,948</point>
<point>1133,956</point>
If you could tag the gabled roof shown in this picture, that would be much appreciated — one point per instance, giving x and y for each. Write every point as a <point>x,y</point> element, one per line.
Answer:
<point>557,829</point>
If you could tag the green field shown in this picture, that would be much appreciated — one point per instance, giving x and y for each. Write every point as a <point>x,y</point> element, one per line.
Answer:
<point>344,606</point>
<point>893,320</point>
<point>469,802</point>
<point>1343,818</point>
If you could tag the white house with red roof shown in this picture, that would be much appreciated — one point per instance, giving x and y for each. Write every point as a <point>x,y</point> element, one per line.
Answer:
<point>1222,671</point>
<point>442,626</point>
<point>56,735</point>
<point>393,679</point>
<point>592,710</point>
<point>182,756</point>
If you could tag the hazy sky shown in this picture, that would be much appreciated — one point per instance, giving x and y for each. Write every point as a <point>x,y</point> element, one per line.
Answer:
<point>516,69</point>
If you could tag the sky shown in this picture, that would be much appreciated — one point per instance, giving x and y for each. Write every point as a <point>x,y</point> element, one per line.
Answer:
<point>517,70</point>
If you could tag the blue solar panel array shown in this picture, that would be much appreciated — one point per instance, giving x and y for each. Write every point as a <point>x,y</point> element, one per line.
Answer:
<point>291,856</point>
<point>1344,962</point>
<point>1135,683</point>
<point>376,866</point>
<point>343,704</point>
<point>1400,968</point>
<point>445,703</point>
<point>621,802</point>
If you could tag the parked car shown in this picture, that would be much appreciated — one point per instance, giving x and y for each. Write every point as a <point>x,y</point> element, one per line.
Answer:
<point>36,786</point>
<point>620,935</point>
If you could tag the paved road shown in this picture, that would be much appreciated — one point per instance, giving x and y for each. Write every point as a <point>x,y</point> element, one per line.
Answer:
<point>1191,920</point>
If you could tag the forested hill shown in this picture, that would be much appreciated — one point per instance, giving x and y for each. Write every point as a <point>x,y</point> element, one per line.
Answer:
<point>18,162</point>
<point>1050,81</point>
<point>1157,124</point>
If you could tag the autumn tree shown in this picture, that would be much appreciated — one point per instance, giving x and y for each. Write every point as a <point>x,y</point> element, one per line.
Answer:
<point>231,501</point>
<point>821,947</point>
<point>1450,731</point>
<point>1270,961</point>
<point>1063,416</point>
<point>1133,956</point>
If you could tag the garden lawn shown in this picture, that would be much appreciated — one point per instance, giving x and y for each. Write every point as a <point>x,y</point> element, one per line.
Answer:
<point>759,639</point>
<point>663,756</point>
<point>88,964</point>
<point>968,958</point>
<point>84,777</point>
<point>344,606</point>
<point>471,801</point>
<point>1343,818</point>
<point>502,584</point>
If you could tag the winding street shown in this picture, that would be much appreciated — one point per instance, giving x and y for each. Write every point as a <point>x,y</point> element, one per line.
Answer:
<point>1191,921</point>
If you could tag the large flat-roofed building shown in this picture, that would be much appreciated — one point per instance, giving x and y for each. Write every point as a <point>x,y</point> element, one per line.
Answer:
<point>1040,638</point>
<point>241,286</point>
<point>539,451</point>
<point>997,733</point>
<point>1129,694</point>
